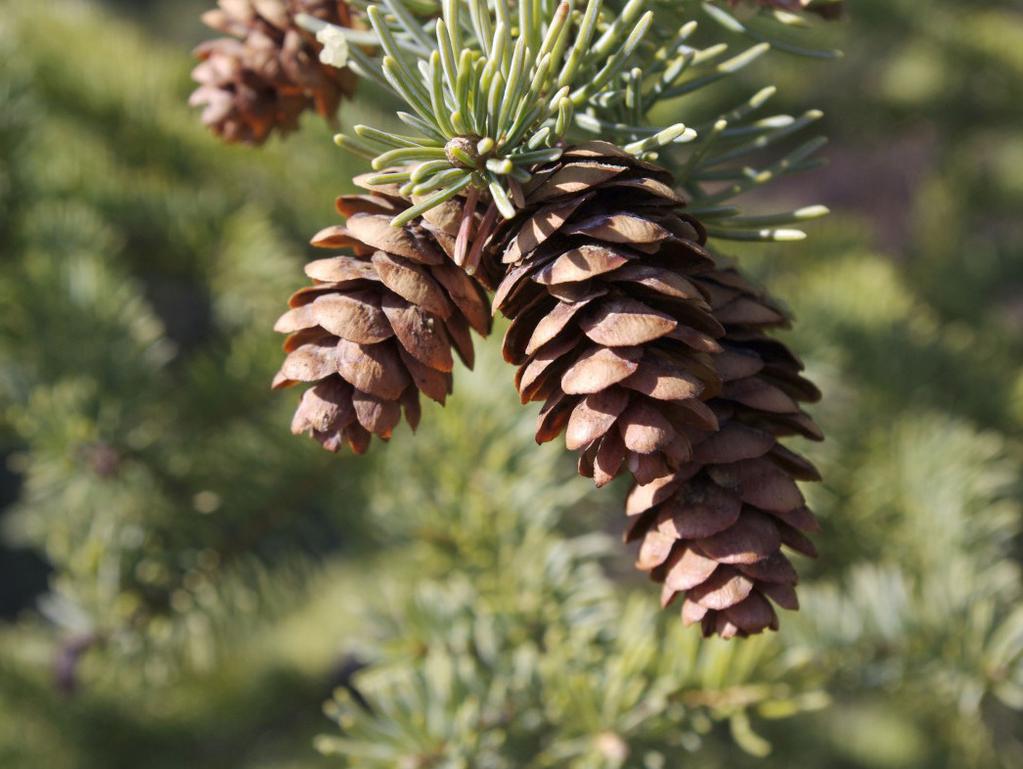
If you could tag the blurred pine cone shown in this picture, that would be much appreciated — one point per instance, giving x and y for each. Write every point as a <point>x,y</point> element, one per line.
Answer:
<point>378,324</point>
<point>608,328</point>
<point>828,9</point>
<point>267,72</point>
<point>714,529</point>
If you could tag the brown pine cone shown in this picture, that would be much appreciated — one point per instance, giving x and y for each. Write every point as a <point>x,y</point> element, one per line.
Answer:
<point>608,327</point>
<point>268,72</point>
<point>714,530</point>
<point>826,10</point>
<point>379,323</point>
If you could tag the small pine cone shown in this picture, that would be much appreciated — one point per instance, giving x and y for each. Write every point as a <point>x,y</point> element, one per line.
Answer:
<point>608,327</point>
<point>379,323</point>
<point>714,529</point>
<point>826,10</point>
<point>268,72</point>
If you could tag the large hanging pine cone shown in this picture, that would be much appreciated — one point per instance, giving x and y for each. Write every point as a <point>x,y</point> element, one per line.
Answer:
<point>268,71</point>
<point>378,324</point>
<point>714,529</point>
<point>655,359</point>
<point>608,328</point>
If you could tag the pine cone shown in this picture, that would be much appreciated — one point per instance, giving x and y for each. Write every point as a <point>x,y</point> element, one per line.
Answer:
<point>714,529</point>
<point>827,10</point>
<point>655,358</point>
<point>378,325</point>
<point>608,327</point>
<point>268,72</point>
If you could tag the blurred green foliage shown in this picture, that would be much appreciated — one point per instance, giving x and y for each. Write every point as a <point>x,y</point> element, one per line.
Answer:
<point>141,264</point>
<point>211,580</point>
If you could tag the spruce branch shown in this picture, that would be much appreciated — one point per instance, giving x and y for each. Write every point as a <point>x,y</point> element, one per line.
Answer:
<point>781,16</point>
<point>490,99</point>
<point>493,90</point>
<point>726,156</point>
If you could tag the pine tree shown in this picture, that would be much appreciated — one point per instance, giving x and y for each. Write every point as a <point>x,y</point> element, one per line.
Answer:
<point>144,265</point>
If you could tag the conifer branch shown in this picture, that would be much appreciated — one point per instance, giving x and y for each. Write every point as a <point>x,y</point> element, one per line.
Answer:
<point>722,158</point>
<point>491,96</point>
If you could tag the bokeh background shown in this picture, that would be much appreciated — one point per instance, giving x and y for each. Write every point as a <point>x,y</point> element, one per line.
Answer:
<point>183,584</point>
